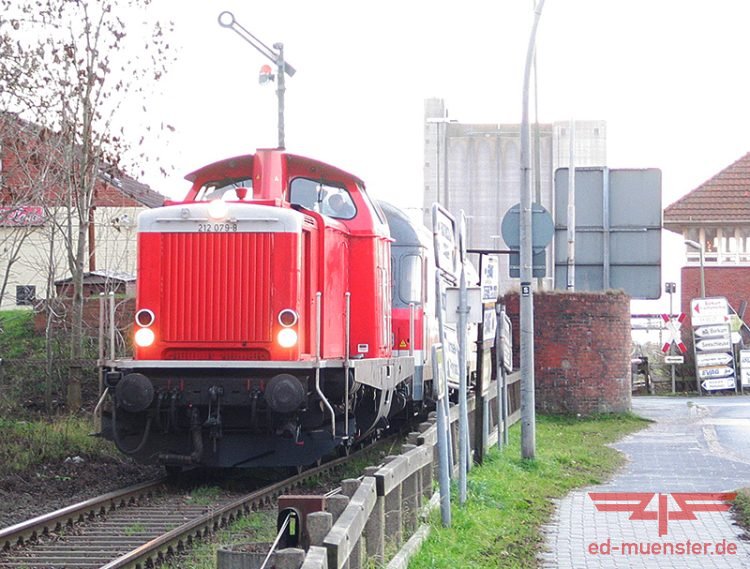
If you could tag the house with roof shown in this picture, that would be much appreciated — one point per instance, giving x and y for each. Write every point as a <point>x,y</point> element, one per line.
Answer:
<point>715,216</point>
<point>33,217</point>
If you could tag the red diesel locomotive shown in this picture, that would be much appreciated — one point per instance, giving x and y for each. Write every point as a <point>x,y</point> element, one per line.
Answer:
<point>263,326</point>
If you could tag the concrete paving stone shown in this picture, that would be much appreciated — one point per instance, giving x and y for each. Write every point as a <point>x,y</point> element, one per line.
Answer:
<point>678,453</point>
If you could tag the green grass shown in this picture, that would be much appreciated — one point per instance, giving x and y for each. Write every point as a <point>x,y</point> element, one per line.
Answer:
<point>134,529</point>
<point>27,444</point>
<point>255,527</point>
<point>17,338</point>
<point>742,508</point>
<point>203,495</point>
<point>509,498</point>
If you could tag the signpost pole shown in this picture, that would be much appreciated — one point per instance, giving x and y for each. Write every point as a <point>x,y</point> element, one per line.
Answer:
<point>438,372</point>
<point>500,374</point>
<point>671,288</point>
<point>463,414</point>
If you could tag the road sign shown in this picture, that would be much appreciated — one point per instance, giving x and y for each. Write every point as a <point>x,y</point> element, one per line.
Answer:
<point>714,358</point>
<point>444,235</point>
<point>708,360</point>
<point>714,345</point>
<point>721,331</point>
<point>438,367</point>
<point>719,383</point>
<point>709,311</point>
<point>618,230</point>
<point>506,338</point>
<point>674,359</point>
<point>490,278</point>
<point>673,327</point>
<point>711,372</point>
<point>542,227</point>
<point>745,367</point>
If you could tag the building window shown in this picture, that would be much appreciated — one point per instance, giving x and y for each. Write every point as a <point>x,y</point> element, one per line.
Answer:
<point>744,244</point>
<point>711,244</point>
<point>25,295</point>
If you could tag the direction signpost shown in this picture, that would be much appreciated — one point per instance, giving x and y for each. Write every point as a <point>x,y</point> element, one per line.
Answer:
<point>745,368</point>
<point>712,341</point>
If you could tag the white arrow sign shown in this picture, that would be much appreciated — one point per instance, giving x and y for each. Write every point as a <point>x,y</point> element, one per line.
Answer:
<point>709,372</point>
<point>719,383</point>
<point>709,311</point>
<point>707,360</point>
<point>718,344</point>
<point>712,331</point>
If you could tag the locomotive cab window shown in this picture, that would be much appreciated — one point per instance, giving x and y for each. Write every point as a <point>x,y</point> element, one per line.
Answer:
<point>332,201</point>
<point>226,190</point>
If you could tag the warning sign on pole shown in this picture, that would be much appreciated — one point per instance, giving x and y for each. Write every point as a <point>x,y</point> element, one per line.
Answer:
<point>673,327</point>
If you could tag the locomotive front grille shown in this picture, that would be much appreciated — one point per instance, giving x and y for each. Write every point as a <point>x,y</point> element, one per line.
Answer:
<point>216,287</point>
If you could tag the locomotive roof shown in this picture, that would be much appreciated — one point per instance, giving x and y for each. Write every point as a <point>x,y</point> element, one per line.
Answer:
<point>404,230</point>
<point>315,168</point>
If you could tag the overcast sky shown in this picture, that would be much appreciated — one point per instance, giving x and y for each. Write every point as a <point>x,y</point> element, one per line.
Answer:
<point>669,77</point>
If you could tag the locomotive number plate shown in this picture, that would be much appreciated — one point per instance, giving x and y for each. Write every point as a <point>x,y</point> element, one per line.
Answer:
<point>217,228</point>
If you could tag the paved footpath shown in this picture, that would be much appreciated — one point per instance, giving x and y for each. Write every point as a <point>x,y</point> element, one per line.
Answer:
<point>680,452</point>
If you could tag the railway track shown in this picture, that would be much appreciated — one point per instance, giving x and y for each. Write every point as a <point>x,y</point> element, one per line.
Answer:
<point>134,527</point>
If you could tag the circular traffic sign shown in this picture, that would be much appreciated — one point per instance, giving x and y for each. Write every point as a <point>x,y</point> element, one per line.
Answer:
<point>542,227</point>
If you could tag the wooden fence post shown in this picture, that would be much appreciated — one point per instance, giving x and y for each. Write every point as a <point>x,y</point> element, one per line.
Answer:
<point>375,526</point>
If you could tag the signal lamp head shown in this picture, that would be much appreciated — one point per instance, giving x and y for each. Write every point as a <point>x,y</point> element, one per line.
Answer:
<point>218,210</point>
<point>288,317</point>
<point>287,337</point>
<point>144,317</point>
<point>144,337</point>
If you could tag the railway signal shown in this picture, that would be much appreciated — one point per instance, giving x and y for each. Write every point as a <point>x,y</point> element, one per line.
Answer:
<point>275,54</point>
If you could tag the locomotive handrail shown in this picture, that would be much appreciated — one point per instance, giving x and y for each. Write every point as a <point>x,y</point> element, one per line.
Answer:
<point>318,390</point>
<point>347,363</point>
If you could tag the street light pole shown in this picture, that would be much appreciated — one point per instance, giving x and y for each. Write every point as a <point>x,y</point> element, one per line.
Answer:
<point>699,246</point>
<point>275,54</point>
<point>528,412</point>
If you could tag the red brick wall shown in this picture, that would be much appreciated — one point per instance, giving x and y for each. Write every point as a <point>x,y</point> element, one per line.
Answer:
<point>730,282</point>
<point>124,315</point>
<point>581,351</point>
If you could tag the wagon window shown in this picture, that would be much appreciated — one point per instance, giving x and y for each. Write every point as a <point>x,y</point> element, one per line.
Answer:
<point>410,279</point>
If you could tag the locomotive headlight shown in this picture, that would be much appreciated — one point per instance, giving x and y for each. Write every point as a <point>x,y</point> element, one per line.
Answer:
<point>218,210</point>
<point>288,317</point>
<point>144,317</point>
<point>144,337</point>
<point>287,337</point>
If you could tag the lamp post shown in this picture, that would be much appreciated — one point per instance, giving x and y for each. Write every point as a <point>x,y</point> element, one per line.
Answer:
<point>696,245</point>
<point>526,302</point>
<point>276,55</point>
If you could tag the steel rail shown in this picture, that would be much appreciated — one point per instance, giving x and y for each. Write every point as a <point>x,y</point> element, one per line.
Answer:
<point>177,539</point>
<point>155,550</point>
<point>22,532</point>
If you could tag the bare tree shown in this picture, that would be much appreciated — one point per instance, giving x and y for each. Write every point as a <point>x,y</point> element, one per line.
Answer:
<point>70,65</point>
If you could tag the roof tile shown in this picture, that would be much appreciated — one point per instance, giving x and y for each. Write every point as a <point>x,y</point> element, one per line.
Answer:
<point>723,198</point>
